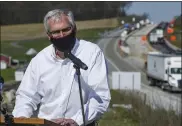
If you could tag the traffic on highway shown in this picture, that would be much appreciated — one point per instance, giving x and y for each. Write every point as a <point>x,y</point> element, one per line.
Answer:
<point>160,75</point>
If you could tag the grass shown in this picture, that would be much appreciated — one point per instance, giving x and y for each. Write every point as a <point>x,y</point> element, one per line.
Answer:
<point>38,44</point>
<point>27,31</point>
<point>119,116</point>
<point>8,74</point>
<point>33,36</point>
<point>140,115</point>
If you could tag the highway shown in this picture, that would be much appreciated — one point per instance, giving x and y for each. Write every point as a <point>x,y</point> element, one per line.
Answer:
<point>155,96</point>
<point>163,48</point>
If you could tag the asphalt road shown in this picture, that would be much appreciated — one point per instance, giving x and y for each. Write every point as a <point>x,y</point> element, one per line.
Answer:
<point>155,96</point>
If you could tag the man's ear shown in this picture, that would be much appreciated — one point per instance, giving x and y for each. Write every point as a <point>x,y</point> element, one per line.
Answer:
<point>49,36</point>
<point>75,28</point>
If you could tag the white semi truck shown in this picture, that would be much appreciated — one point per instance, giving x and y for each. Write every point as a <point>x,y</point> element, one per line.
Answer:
<point>164,70</point>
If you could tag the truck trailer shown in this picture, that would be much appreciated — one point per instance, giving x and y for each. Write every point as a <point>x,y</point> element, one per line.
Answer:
<point>164,70</point>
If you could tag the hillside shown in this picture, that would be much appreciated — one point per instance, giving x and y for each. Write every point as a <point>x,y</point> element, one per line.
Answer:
<point>28,31</point>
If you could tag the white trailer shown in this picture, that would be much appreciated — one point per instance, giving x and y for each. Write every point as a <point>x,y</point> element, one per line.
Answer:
<point>164,70</point>
<point>153,38</point>
<point>160,35</point>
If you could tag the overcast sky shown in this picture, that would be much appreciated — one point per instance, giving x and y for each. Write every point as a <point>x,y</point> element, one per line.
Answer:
<point>158,11</point>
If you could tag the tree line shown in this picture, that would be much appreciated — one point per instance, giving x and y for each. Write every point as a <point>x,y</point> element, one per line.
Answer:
<point>23,12</point>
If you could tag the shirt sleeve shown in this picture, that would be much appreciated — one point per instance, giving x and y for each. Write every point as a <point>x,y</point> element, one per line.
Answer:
<point>99,98</point>
<point>27,97</point>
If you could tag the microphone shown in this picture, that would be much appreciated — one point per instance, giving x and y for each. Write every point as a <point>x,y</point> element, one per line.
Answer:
<point>75,60</point>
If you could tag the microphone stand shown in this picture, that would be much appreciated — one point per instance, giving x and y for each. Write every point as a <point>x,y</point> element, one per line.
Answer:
<point>8,119</point>
<point>78,73</point>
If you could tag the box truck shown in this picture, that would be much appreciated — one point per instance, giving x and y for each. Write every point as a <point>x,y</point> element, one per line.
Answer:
<point>164,70</point>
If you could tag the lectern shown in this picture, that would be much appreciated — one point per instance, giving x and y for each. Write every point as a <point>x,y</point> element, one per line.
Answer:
<point>29,122</point>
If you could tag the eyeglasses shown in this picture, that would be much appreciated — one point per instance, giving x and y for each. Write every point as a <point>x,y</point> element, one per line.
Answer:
<point>64,31</point>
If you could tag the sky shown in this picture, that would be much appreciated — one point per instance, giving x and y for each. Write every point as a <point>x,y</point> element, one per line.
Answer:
<point>158,11</point>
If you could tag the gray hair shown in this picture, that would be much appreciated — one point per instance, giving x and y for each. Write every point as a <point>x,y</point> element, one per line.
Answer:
<point>56,15</point>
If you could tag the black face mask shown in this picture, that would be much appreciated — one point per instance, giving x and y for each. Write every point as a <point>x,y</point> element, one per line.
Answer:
<point>65,43</point>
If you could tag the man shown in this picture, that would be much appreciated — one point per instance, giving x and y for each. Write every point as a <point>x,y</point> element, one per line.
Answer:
<point>50,79</point>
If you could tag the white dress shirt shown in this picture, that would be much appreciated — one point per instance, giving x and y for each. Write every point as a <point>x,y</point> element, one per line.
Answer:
<point>53,83</point>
